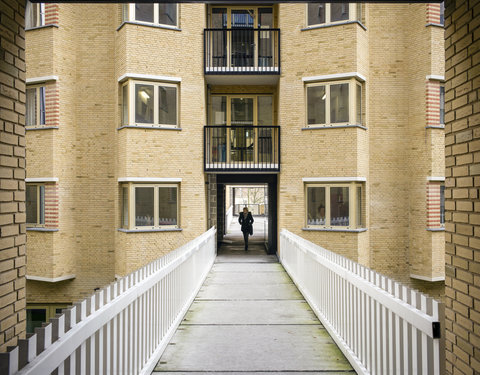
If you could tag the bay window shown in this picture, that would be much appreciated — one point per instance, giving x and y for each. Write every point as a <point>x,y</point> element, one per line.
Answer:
<point>334,103</point>
<point>35,204</point>
<point>149,206</point>
<point>161,14</point>
<point>149,104</point>
<point>334,205</point>
<point>35,106</point>
<point>331,13</point>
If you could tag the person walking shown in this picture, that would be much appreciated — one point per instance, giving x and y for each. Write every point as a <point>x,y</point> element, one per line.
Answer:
<point>246,221</point>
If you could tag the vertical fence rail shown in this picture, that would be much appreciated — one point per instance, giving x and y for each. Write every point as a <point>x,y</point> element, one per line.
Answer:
<point>125,327</point>
<point>381,326</point>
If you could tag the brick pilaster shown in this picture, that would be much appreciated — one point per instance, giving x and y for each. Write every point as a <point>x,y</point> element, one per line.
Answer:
<point>12,173</point>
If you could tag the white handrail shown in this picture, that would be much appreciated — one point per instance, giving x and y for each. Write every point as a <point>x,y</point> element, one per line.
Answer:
<point>381,326</point>
<point>125,327</point>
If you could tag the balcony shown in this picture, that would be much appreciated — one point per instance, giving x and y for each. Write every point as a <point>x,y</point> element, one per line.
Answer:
<point>242,148</point>
<point>238,52</point>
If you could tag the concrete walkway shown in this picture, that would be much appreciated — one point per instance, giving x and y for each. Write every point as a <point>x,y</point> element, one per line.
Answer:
<point>249,318</point>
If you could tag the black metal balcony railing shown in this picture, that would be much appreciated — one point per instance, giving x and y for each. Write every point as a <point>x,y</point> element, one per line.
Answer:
<point>242,51</point>
<point>242,148</point>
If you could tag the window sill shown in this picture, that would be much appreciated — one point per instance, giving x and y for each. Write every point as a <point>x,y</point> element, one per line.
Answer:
<point>149,230</point>
<point>166,27</point>
<point>315,127</point>
<point>436,229</point>
<point>41,229</point>
<point>148,127</point>
<point>40,127</point>
<point>322,26</point>
<point>435,25</point>
<point>435,127</point>
<point>313,229</point>
<point>42,27</point>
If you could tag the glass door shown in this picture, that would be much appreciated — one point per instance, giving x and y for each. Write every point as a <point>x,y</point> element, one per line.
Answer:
<point>242,52</point>
<point>242,138</point>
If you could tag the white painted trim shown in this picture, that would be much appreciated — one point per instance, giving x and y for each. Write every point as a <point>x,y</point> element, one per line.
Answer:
<point>334,179</point>
<point>50,279</point>
<point>149,77</point>
<point>425,278</point>
<point>331,77</point>
<point>33,80</point>
<point>436,178</point>
<point>42,179</point>
<point>149,179</point>
<point>434,77</point>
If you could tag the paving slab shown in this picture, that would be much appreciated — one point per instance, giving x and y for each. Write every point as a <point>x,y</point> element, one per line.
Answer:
<point>252,348</point>
<point>327,372</point>
<point>249,267</point>
<point>250,312</point>
<point>241,278</point>
<point>250,292</point>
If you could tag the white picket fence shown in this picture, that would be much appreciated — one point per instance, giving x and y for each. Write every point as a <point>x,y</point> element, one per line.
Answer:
<point>381,326</point>
<point>123,328</point>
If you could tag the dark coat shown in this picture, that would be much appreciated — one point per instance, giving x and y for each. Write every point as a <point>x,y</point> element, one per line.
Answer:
<point>246,223</point>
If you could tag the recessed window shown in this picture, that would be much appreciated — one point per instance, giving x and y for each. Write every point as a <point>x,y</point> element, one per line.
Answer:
<point>36,315</point>
<point>334,103</point>
<point>326,13</point>
<point>35,106</point>
<point>34,15</point>
<point>442,205</point>
<point>151,104</point>
<point>149,206</point>
<point>35,204</point>
<point>442,105</point>
<point>162,14</point>
<point>332,205</point>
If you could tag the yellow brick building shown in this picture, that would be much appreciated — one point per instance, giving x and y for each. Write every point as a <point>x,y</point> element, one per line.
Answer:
<point>138,116</point>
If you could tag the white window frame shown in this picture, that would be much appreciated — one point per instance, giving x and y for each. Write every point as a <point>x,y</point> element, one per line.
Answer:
<point>130,224</point>
<point>131,103</point>
<point>39,90</point>
<point>131,16</point>
<point>40,20</point>
<point>40,206</point>
<point>352,102</point>
<point>352,209</point>
<point>354,14</point>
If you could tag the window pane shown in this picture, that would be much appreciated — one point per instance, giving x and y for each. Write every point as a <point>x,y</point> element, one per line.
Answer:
<point>316,206</point>
<point>442,12</point>
<point>442,204</point>
<point>125,207</point>
<point>144,104</point>
<point>359,104</point>
<point>219,18</point>
<point>167,101</point>
<point>167,206</point>
<point>31,203</point>
<point>316,13</point>
<point>144,206</point>
<point>339,206</point>
<point>30,15</point>
<point>242,111</point>
<point>339,103</point>
<point>41,218</point>
<point>31,107</point>
<point>35,318</point>
<point>265,110</point>
<point>125,105</point>
<point>442,105</point>
<point>167,14</point>
<point>125,12</point>
<point>359,207</point>
<point>359,12</point>
<point>316,96</point>
<point>265,18</point>
<point>339,11</point>
<point>218,114</point>
<point>144,12</point>
<point>41,91</point>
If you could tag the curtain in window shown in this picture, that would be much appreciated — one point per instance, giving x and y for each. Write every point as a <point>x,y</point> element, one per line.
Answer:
<point>31,104</point>
<point>42,105</point>
<point>30,16</point>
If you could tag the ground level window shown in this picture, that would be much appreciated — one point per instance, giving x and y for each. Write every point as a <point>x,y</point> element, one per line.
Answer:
<point>149,206</point>
<point>334,205</point>
<point>35,204</point>
<point>39,314</point>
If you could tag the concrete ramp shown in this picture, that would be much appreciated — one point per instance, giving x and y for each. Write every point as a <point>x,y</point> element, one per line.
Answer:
<point>249,318</point>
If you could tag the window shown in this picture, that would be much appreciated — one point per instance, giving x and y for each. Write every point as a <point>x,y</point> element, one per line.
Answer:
<point>151,104</point>
<point>163,14</point>
<point>442,205</point>
<point>335,205</point>
<point>35,204</point>
<point>149,206</point>
<point>35,106</point>
<point>442,105</point>
<point>442,13</point>
<point>39,314</point>
<point>34,15</point>
<point>325,13</point>
<point>334,103</point>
